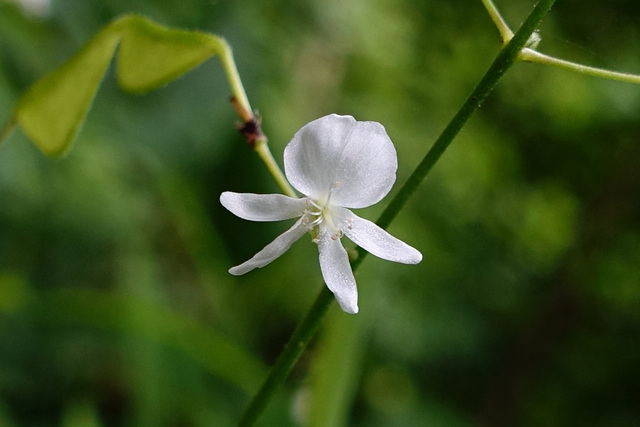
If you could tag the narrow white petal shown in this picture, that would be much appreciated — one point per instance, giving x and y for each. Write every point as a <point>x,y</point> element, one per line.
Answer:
<point>262,207</point>
<point>374,239</point>
<point>273,250</point>
<point>336,271</point>
<point>355,161</point>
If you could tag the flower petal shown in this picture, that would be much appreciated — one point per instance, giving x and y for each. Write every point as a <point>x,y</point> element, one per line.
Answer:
<point>262,207</point>
<point>336,271</point>
<point>355,161</point>
<point>374,239</point>
<point>273,250</point>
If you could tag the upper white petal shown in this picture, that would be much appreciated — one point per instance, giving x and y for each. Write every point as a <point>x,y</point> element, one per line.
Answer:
<point>354,160</point>
<point>374,239</point>
<point>336,271</point>
<point>263,207</point>
<point>273,250</point>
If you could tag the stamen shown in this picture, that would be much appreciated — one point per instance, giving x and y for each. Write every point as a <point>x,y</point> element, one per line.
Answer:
<point>310,212</point>
<point>323,213</point>
<point>314,204</point>
<point>334,186</point>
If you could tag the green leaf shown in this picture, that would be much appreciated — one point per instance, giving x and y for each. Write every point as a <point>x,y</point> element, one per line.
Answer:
<point>151,56</point>
<point>53,110</point>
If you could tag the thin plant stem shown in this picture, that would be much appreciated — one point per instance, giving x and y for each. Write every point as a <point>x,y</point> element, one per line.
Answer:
<point>311,322</point>
<point>531,55</point>
<point>263,151</point>
<point>233,77</point>
<point>505,32</point>
<point>290,354</point>
<point>506,58</point>
<point>240,102</point>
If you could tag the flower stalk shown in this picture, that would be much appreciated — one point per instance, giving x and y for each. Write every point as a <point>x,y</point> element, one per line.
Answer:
<point>262,148</point>
<point>251,124</point>
<point>508,56</point>
<point>531,55</point>
<point>505,32</point>
<point>233,77</point>
<point>310,323</point>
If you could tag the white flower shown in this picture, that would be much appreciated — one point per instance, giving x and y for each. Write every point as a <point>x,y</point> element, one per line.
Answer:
<point>337,163</point>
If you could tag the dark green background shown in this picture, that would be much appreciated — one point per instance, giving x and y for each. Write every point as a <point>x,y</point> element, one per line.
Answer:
<point>524,311</point>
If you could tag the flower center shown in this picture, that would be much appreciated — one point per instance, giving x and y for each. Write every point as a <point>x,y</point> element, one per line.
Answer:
<point>321,213</point>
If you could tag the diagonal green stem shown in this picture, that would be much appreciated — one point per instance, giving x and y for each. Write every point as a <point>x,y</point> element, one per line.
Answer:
<point>289,356</point>
<point>506,58</point>
<point>311,322</point>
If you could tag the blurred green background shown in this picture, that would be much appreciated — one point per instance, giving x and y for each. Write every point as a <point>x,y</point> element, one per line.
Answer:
<point>116,308</point>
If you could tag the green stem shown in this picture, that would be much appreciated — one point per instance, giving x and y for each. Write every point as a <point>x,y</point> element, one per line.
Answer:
<point>506,58</point>
<point>311,322</point>
<point>263,151</point>
<point>531,55</point>
<point>241,103</point>
<point>233,77</point>
<point>505,32</point>
<point>292,351</point>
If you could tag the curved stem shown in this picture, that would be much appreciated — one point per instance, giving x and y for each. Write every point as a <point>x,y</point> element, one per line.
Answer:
<point>233,77</point>
<point>505,32</point>
<point>506,58</point>
<point>263,151</point>
<point>240,102</point>
<point>311,322</point>
<point>531,55</point>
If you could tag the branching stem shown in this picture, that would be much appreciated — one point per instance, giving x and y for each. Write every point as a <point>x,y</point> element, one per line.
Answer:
<point>531,55</point>
<point>311,322</point>
<point>505,32</point>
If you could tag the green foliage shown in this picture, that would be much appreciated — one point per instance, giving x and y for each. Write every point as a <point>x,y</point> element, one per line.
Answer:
<point>150,55</point>
<point>131,316</point>
<point>524,311</point>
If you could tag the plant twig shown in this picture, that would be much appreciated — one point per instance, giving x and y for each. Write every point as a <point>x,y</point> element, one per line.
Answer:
<point>505,32</point>
<point>251,123</point>
<point>506,58</point>
<point>310,323</point>
<point>531,55</point>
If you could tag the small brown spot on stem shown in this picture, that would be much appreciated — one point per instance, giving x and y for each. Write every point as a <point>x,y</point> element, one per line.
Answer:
<point>250,126</point>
